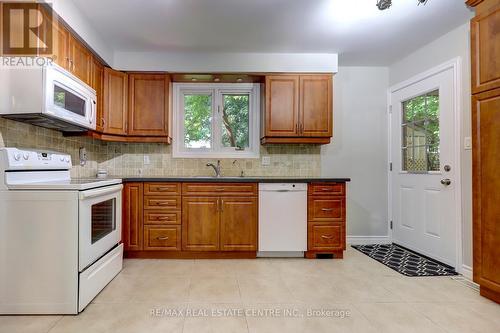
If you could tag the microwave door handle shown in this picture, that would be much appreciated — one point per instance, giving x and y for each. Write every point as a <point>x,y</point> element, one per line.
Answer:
<point>100,192</point>
<point>92,110</point>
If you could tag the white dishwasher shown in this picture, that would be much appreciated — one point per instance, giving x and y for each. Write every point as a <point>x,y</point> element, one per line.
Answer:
<point>282,219</point>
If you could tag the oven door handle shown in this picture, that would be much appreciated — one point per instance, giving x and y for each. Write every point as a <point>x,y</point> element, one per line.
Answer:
<point>100,191</point>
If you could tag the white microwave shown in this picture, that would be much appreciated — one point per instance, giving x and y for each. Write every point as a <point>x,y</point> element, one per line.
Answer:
<point>47,96</point>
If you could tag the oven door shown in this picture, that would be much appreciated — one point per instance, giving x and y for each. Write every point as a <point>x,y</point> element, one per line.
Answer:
<point>69,99</point>
<point>100,222</point>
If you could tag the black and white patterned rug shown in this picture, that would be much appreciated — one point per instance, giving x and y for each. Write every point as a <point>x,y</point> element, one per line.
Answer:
<point>405,261</point>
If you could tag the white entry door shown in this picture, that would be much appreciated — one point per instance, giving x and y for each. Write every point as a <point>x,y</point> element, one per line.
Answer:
<point>423,173</point>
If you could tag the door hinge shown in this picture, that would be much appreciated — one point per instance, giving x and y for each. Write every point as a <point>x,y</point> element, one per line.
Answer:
<point>390,166</point>
<point>390,224</point>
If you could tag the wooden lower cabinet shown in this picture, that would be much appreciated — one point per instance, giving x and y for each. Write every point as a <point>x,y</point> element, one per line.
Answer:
<point>486,194</point>
<point>321,237</point>
<point>210,220</point>
<point>326,215</point>
<point>163,238</point>
<point>200,224</point>
<point>238,224</point>
<point>132,226</point>
<point>485,55</point>
<point>190,220</point>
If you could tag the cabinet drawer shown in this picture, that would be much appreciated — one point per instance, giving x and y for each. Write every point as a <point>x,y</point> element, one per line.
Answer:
<point>322,237</point>
<point>161,217</point>
<point>162,238</point>
<point>162,202</point>
<point>162,189</point>
<point>216,189</point>
<point>326,209</point>
<point>327,189</point>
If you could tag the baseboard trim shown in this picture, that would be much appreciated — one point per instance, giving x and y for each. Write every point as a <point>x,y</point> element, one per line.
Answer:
<point>363,240</point>
<point>466,271</point>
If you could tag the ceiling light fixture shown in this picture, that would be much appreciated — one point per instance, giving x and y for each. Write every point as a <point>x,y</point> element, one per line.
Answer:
<point>385,4</point>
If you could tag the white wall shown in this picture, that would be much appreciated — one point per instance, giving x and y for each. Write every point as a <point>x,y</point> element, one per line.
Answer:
<point>199,62</point>
<point>79,23</point>
<point>359,147</point>
<point>454,44</point>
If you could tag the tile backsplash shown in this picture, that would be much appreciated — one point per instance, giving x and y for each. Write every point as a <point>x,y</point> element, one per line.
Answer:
<point>127,159</point>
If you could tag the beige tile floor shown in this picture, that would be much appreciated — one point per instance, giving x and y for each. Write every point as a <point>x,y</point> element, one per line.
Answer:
<point>272,295</point>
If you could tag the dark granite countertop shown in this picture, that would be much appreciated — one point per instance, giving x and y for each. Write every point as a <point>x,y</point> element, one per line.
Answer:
<point>250,179</point>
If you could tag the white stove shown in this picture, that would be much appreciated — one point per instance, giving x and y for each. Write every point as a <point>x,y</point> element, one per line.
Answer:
<point>61,235</point>
<point>75,184</point>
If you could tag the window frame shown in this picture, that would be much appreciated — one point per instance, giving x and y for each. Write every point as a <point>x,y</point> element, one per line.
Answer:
<point>217,90</point>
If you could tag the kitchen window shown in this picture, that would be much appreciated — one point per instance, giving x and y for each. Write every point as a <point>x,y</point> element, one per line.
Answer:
<point>216,120</point>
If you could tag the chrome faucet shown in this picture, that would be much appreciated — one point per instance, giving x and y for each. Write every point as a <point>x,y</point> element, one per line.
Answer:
<point>217,168</point>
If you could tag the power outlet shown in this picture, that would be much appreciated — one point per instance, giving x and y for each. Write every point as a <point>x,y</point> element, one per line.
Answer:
<point>83,156</point>
<point>266,160</point>
<point>147,161</point>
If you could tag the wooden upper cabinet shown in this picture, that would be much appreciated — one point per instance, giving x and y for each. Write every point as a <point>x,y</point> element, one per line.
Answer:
<point>96,82</point>
<point>282,106</point>
<point>148,104</point>
<point>60,44</point>
<point>80,59</point>
<point>238,224</point>
<point>485,48</point>
<point>298,109</point>
<point>315,105</point>
<point>115,102</point>
<point>200,224</point>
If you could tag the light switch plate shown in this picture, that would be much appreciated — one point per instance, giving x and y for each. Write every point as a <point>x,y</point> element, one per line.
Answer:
<point>266,160</point>
<point>467,142</point>
<point>147,161</point>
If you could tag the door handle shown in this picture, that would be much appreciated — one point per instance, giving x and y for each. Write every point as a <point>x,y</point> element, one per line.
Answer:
<point>162,238</point>
<point>327,209</point>
<point>446,181</point>
<point>327,236</point>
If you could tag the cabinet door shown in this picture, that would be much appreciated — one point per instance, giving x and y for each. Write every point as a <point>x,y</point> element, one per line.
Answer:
<point>148,104</point>
<point>115,102</point>
<point>485,49</point>
<point>282,106</point>
<point>81,59</point>
<point>200,224</point>
<point>238,224</point>
<point>132,217</point>
<point>315,106</point>
<point>486,184</point>
<point>60,44</point>
<point>96,82</point>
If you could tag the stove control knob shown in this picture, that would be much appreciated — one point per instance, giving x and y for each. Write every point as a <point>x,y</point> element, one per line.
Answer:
<point>66,159</point>
<point>26,156</point>
<point>62,158</point>
<point>17,156</point>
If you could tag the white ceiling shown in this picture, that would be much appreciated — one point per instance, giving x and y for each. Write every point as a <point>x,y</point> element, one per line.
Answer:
<point>356,29</point>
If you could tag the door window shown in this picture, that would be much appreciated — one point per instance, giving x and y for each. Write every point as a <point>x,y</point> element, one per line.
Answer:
<point>103,219</point>
<point>420,133</point>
